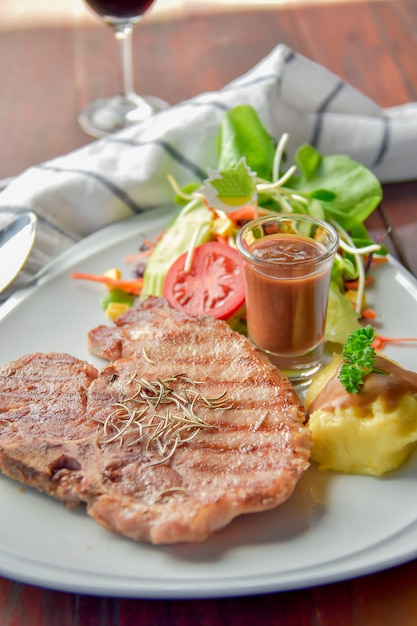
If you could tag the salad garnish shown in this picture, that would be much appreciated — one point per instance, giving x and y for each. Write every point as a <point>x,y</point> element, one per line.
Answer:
<point>359,358</point>
<point>233,188</point>
<point>251,179</point>
<point>211,284</point>
<point>334,188</point>
<point>380,342</point>
<point>129,286</point>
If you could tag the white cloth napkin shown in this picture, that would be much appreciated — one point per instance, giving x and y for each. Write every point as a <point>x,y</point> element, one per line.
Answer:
<point>125,173</point>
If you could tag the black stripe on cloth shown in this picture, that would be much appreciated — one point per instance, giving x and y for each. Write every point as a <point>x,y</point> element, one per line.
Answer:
<point>332,95</point>
<point>316,130</point>
<point>290,57</point>
<point>384,142</point>
<point>173,152</point>
<point>41,220</point>
<point>58,229</point>
<point>114,189</point>
<point>321,109</point>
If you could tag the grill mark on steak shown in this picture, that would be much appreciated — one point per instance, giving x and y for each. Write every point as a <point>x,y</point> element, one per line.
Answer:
<point>250,460</point>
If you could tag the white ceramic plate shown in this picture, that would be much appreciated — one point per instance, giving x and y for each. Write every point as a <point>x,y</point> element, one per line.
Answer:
<point>334,527</point>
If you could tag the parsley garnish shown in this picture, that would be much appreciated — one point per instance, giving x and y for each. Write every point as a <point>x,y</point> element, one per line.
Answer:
<point>359,359</point>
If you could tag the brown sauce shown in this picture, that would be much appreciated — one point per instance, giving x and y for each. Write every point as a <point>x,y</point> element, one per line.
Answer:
<point>287,300</point>
<point>389,387</point>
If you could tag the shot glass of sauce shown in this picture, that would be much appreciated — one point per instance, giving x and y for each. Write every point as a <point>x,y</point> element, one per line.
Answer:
<point>287,261</point>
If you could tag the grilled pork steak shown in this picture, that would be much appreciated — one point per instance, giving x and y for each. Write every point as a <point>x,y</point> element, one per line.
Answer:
<point>188,427</point>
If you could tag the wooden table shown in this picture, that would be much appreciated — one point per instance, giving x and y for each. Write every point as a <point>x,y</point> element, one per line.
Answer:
<point>53,72</point>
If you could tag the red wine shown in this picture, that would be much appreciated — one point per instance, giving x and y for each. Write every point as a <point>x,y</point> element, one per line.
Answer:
<point>119,10</point>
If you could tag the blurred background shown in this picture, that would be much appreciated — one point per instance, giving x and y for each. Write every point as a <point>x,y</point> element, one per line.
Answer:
<point>56,57</point>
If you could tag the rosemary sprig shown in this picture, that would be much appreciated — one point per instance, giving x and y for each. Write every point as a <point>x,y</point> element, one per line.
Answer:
<point>146,356</point>
<point>161,415</point>
<point>169,491</point>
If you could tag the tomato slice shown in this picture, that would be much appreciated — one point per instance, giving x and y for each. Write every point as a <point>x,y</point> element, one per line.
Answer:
<point>213,285</point>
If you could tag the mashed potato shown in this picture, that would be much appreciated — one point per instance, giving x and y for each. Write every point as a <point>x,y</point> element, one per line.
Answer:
<point>372,432</point>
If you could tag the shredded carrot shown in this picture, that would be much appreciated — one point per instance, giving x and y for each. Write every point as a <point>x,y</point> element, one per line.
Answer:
<point>244,214</point>
<point>369,314</point>
<point>130,286</point>
<point>354,284</point>
<point>378,260</point>
<point>380,342</point>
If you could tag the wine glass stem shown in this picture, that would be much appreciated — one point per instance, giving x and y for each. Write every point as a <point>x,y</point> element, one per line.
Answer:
<point>123,33</point>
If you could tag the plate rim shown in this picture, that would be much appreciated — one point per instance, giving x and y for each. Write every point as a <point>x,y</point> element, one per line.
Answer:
<point>397,550</point>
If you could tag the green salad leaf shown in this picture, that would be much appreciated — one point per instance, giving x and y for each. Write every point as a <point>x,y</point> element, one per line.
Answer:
<point>252,169</point>
<point>344,189</point>
<point>334,188</point>
<point>242,134</point>
<point>349,191</point>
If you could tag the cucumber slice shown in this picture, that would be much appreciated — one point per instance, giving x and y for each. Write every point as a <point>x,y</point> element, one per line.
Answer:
<point>341,318</point>
<point>175,241</point>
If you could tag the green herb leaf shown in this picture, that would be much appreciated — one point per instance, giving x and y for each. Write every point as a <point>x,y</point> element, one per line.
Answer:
<point>230,188</point>
<point>235,182</point>
<point>359,358</point>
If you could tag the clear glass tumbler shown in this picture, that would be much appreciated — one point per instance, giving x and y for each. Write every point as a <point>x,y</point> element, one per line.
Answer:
<point>287,261</point>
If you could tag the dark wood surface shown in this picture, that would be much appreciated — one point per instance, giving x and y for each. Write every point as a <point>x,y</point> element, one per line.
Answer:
<point>49,73</point>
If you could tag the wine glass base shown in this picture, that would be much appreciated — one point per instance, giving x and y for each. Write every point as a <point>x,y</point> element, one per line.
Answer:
<point>108,115</point>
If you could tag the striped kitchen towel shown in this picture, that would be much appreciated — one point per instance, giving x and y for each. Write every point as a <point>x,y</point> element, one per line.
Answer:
<point>126,173</point>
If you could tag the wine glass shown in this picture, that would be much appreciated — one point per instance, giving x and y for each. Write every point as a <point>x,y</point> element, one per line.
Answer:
<point>107,115</point>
